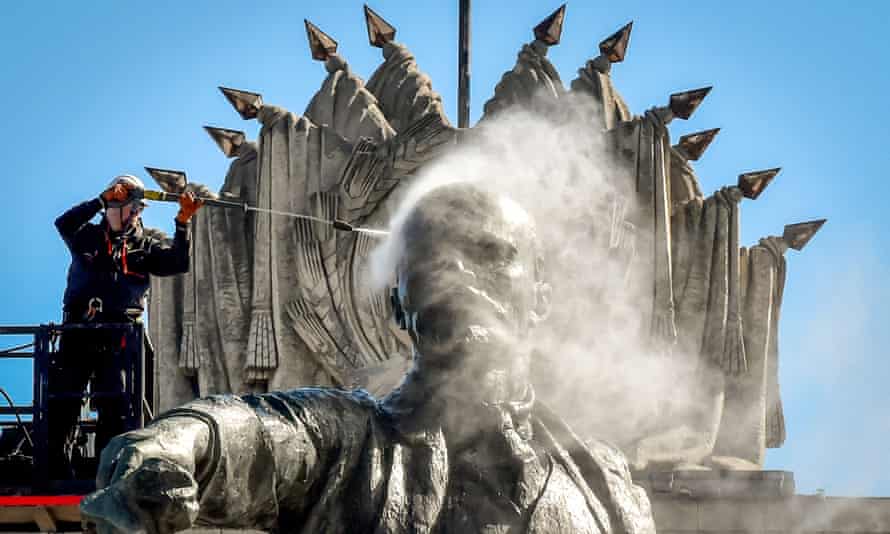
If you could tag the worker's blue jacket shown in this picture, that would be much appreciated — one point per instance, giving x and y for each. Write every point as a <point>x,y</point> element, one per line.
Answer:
<point>115,267</point>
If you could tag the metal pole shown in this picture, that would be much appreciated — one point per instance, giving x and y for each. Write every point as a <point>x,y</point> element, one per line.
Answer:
<point>463,67</point>
<point>40,417</point>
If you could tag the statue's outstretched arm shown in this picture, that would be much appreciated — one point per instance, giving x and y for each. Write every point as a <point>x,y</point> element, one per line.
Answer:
<point>211,462</point>
<point>146,478</point>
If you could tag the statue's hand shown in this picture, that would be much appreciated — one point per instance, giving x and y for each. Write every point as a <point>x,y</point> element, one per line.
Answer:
<point>145,485</point>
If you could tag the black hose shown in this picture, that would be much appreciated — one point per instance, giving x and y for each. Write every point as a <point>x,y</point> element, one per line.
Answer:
<point>18,418</point>
<point>12,350</point>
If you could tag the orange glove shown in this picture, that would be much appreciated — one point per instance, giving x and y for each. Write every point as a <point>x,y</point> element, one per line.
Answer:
<point>188,205</point>
<point>116,193</point>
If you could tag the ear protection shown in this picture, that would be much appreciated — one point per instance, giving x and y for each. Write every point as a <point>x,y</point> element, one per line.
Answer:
<point>397,312</point>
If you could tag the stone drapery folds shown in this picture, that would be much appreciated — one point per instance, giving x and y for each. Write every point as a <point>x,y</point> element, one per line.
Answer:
<point>275,302</point>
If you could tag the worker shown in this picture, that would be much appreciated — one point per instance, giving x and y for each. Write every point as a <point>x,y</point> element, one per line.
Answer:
<point>108,279</point>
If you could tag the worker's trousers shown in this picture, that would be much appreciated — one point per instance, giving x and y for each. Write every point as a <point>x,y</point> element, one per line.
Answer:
<point>85,356</point>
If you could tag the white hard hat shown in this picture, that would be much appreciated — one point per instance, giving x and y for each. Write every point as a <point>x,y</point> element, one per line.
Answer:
<point>132,181</point>
<point>128,179</point>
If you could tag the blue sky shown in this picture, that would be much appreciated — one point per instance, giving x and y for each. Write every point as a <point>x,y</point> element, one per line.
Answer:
<point>95,89</point>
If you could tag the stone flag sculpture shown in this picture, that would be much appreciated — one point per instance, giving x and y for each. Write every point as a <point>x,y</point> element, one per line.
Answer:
<point>270,302</point>
<point>274,302</point>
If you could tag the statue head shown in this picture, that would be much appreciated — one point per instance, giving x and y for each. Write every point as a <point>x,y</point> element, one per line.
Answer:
<point>470,291</point>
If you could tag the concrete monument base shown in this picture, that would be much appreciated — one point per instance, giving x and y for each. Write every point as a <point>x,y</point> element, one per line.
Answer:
<point>763,502</point>
<point>755,502</point>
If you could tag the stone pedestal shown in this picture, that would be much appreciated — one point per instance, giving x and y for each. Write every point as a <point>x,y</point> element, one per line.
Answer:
<point>690,502</point>
<point>707,484</point>
<point>746,502</point>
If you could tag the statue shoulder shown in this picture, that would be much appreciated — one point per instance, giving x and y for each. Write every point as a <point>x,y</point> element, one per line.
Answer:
<point>307,403</point>
<point>605,469</point>
<point>327,403</point>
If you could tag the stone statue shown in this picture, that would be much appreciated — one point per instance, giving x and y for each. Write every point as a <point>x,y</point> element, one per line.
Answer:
<point>216,292</point>
<point>705,293</point>
<point>273,304</point>
<point>534,81</point>
<point>461,445</point>
<point>679,265</point>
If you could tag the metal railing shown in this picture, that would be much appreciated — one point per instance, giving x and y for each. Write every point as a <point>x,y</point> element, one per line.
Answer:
<point>132,360</point>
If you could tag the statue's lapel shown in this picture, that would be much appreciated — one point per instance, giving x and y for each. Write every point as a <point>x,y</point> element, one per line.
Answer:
<point>417,484</point>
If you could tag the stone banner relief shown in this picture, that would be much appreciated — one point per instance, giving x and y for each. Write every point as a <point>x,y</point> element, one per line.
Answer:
<point>662,337</point>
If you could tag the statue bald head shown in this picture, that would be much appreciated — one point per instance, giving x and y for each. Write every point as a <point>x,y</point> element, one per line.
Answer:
<point>470,287</point>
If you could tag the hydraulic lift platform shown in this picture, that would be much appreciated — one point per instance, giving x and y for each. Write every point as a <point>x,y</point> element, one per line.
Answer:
<point>32,498</point>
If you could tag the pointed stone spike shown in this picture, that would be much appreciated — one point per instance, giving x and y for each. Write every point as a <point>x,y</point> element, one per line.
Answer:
<point>753,183</point>
<point>320,43</point>
<point>380,32</point>
<point>247,104</point>
<point>169,180</point>
<point>694,145</point>
<point>798,235</point>
<point>550,29</point>
<point>683,104</point>
<point>614,47</point>
<point>227,140</point>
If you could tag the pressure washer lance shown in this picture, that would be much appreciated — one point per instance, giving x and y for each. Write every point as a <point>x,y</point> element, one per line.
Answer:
<point>163,196</point>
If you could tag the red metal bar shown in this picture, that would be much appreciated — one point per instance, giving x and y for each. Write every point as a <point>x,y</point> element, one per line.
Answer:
<point>40,500</point>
